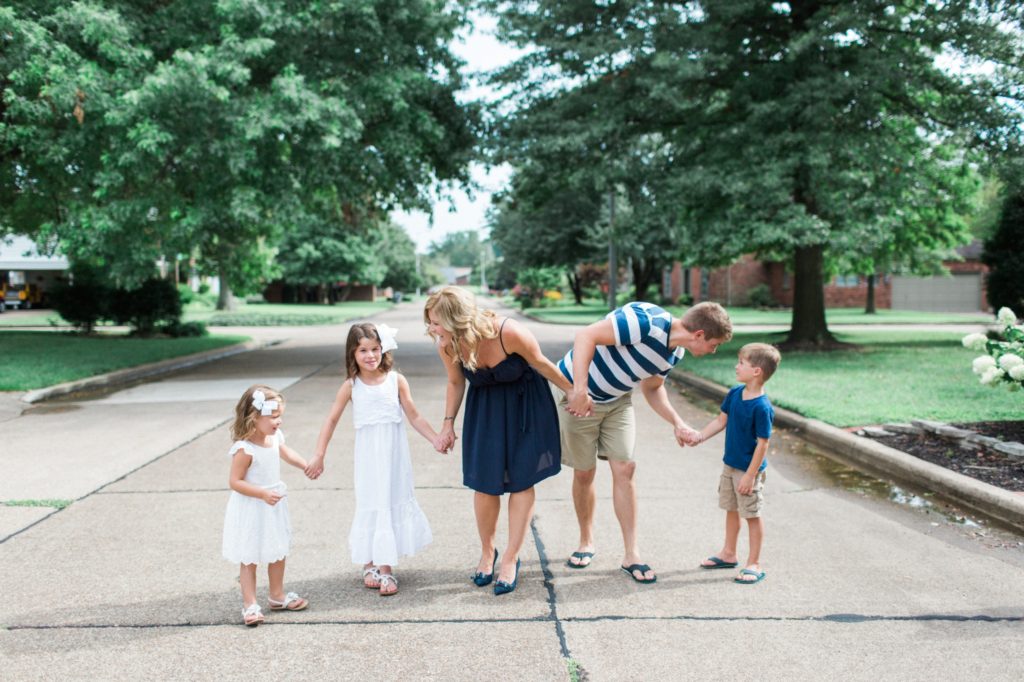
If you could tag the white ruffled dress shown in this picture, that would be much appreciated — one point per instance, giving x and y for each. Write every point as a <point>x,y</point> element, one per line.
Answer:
<point>254,531</point>
<point>388,523</point>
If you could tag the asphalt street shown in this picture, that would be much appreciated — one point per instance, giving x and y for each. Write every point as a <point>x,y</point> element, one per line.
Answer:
<point>864,581</point>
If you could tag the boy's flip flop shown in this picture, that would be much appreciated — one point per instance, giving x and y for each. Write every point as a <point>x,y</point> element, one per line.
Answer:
<point>758,577</point>
<point>718,563</point>
<point>581,556</point>
<point>643,568</point>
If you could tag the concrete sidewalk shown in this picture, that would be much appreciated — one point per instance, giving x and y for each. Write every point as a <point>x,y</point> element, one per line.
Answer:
<point>127,581</point>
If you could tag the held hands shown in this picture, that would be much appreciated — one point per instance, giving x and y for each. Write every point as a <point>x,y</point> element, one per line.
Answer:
<point>580,404</point>
<point>445,441</point>
<point>687,436</point>
<point>315,467</point>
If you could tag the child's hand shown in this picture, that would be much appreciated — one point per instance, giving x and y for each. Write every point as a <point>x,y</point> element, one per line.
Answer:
<point>445,442</point>
<point>746,484</point>
<point>687,436</point>
<point>315,467</point>
<point>272,497</point>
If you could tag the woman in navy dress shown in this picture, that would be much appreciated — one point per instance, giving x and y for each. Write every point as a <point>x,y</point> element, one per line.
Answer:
<point>510,430</point>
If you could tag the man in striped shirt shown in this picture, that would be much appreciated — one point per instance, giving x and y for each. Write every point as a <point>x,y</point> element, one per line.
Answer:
<point>635,345</point>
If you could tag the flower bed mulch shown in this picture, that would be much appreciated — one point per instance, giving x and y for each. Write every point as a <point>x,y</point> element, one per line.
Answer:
<point>971,460</point>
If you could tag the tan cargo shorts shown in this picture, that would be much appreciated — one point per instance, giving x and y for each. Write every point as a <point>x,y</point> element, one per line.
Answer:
<point>609,433</point>
<point>748,506</point>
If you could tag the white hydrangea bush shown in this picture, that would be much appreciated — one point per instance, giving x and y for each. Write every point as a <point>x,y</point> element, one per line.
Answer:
<point>1003,362</point>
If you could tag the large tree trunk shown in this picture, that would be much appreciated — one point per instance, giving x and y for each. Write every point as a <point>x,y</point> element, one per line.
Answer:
<point>225,301</point>
<point>869,305</point>
<point>808,327</point>
<point>643,275</point>
<point>574,284</point>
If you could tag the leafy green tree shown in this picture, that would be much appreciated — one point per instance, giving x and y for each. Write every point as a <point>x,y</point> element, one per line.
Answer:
<point>62,68</point>
<point>212,118</point>
<point>398,253</point>
<point>789,129</point>
<point>322,248</point>
<point>537,223</point>
<point>459,249</point>
<point>1004,255</point>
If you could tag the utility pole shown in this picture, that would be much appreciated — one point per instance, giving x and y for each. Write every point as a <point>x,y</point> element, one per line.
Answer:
<point>483,268</point>
<point>613,265</point>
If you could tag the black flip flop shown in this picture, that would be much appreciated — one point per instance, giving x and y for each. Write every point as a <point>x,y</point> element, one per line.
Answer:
<point>718,563</point>
<point>643,568</point>
<point>581,555</point>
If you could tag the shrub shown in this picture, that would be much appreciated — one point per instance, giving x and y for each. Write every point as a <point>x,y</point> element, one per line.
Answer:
<point>84,300</point>
<point>182,329</point>
<point>1003,362</point>
<point>535,281</point>
<point>760,296</point>
<point>185,294</point>
<point>154,303</point>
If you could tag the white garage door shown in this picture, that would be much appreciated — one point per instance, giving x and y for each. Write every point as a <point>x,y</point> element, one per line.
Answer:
<point>955,293</point>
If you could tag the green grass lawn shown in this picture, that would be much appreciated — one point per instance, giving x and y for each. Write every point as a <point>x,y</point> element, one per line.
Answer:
<point>38,359</point>
<point>894,377</point>
<point>284,314</point>
<point>42,318</point>
<point>590,312</point>
<point>246,315</point>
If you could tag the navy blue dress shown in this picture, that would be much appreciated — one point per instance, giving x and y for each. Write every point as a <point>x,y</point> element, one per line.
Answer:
<point>510,429</point>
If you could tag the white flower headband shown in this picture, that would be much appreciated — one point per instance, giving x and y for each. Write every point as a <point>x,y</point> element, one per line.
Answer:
<point>260,402</point>
<point>387,338</point>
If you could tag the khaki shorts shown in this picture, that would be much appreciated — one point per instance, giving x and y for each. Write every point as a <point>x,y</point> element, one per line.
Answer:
<point>748,506</point>
<point>610,433</point>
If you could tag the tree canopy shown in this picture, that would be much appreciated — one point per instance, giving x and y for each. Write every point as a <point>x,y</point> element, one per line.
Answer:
<point>802,130</point>
<point>129,130</point>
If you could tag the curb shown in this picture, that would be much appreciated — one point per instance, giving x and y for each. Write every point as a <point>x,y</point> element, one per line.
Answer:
<point>123,376</point>
<point>878,459</point>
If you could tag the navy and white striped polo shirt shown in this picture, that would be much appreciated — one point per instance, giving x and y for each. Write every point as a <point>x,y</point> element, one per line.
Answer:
<point>640,351</point>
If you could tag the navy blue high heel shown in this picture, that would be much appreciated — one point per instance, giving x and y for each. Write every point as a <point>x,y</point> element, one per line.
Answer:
<point>483,579</point>
<point>502,587</point>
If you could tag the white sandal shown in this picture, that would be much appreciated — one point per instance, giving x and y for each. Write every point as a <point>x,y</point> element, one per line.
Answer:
<point>386,578</point>
<point>372,571</point>
<point>286,605</point>
<point>252,615</point>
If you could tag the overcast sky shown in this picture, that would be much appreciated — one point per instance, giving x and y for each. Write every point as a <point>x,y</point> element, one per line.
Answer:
<point>481,51</point>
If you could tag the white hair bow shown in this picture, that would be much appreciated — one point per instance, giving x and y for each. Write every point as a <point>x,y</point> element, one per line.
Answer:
<point>260,402</point>
<point>387,337</point>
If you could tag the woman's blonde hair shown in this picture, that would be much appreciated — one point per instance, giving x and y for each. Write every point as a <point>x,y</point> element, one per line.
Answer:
<point>357,333</point>
<point>457,312</point>
<point>246,413</point>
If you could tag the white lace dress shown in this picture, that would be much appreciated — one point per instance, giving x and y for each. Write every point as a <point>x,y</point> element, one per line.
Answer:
<point>388,523</point>
<point>254,531</point>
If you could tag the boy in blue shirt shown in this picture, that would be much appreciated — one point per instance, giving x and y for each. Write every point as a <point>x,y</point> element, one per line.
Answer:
<point>747,417</point>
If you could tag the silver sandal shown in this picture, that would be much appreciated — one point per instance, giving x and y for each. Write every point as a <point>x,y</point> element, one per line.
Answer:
<point>386,578</point>
<point>252,615</point>
<point>372,571</point>
<point>286,605</point>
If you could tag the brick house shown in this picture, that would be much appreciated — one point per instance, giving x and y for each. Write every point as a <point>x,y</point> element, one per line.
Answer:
<point>962,291</point>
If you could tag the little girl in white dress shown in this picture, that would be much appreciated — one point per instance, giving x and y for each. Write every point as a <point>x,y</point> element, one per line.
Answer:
<point>256,525</point>
<point>388,523</point>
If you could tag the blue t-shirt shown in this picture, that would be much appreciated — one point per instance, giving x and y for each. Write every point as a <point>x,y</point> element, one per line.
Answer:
<point>748,421</point>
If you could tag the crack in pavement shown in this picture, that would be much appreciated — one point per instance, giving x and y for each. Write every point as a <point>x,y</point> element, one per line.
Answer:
<point>842,618</point>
